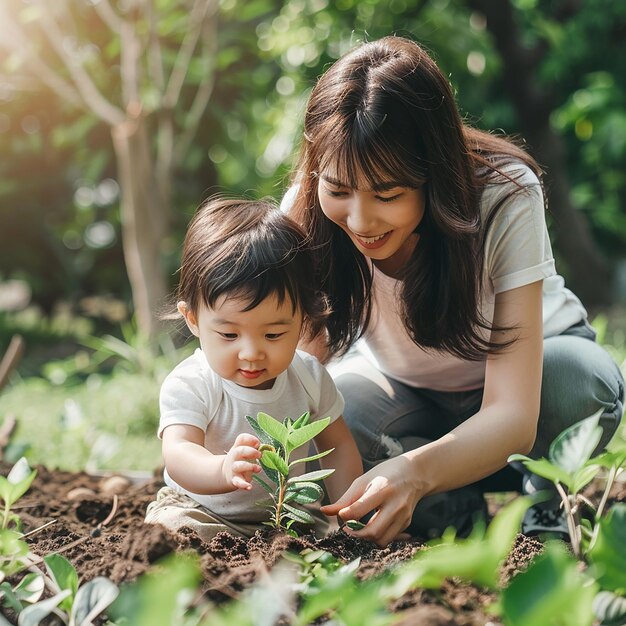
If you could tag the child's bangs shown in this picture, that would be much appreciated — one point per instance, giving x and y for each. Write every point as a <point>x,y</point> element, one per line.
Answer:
<point>273,282</point>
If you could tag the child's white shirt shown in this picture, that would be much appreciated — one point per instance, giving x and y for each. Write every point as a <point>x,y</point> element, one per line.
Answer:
<point>193,394</point>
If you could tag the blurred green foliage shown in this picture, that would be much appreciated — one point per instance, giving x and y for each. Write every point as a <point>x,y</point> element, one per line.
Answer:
<point>59,219</point>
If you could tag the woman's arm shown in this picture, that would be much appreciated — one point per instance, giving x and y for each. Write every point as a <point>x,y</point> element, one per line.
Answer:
<point>345,457</point>
<point>197,470</point>
<point>506,423</point>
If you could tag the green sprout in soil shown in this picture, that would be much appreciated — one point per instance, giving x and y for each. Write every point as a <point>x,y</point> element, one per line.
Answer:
<point>289,493</point>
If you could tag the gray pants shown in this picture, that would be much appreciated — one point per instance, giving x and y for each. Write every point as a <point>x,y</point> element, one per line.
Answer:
<point>387,418</point>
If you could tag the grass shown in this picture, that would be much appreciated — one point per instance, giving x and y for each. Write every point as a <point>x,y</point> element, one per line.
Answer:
<point>98,409</point>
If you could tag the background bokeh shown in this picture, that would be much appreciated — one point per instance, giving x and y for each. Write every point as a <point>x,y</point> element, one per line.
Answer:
<point>118,117</point>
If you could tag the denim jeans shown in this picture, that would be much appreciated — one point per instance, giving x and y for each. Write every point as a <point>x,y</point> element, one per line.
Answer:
<point>388,418</point>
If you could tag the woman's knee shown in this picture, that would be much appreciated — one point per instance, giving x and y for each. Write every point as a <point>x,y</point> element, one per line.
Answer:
<point>579,378</point>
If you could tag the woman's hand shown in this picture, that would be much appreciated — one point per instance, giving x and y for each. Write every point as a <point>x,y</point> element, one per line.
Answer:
<point>240,462</point>
<point>391,489</point>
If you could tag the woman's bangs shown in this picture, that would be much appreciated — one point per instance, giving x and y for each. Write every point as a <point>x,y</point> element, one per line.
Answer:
<point>363,160</point>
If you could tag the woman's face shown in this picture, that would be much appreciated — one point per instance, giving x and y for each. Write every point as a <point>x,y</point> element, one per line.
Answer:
<point>380,221</point>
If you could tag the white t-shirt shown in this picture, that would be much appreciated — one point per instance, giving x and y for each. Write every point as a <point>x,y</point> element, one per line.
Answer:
<point>517,253</point>
<point>193,394</point>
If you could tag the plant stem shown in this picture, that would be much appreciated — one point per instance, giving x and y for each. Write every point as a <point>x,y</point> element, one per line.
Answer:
<point>571,522</point>
<point>281,497</point>
<point>5,516</point>
<point>605,496</point>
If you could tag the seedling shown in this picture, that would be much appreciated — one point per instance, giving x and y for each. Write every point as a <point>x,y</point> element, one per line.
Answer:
<point>278,441</point>
<point>12,488</point>
<point>571,467</point>
<point>597,539</point>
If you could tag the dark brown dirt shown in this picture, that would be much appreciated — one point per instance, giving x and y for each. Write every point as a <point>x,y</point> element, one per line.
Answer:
<point>104,535</point>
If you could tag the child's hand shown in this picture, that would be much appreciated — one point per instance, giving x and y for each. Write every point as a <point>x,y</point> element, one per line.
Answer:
<point>239,465</point>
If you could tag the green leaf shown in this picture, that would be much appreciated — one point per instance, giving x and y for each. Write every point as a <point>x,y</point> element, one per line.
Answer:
<point>306,493</point>
<point>12,551</point>
<point>475,559</point>
<point>608,554</point>
<point>263,484</point>
<point>307,432</point>
<point>311,476</point>
<point>92,599</point>
<point>9,598</point>
<point>261,434</point>
<point>64,575</point>
<point>551,591</point>
<point>19,472</point>
<point>301,421</point>
<point>274,461</point>
<point>158,596</point>
<point>543,467</point>
<point>354,524</point>
<point>30,588</point>
<point>610,609</point>
<point>583,477</point>
<point>304,517</point>
<point>575,445</point>
<point>610,459</point>
<point>273,428</point>
<point>314,457</point>
<point>11,492</point>
<point>32,615</point>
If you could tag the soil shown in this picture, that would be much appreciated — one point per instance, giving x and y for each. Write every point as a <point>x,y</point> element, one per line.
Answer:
<point>104,535</point>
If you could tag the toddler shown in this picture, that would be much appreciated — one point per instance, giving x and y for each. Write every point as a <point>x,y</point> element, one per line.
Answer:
<point>247,291</point>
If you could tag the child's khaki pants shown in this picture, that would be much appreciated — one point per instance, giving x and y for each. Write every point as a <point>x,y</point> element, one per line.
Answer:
<point>175,510</point>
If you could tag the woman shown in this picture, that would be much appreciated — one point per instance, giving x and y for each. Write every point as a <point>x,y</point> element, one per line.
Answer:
<point>432,246</point>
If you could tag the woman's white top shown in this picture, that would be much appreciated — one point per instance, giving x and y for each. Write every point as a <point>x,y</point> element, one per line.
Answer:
<point>517,253</point>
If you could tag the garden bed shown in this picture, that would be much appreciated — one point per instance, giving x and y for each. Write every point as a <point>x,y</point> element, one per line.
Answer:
<point>103,534</point>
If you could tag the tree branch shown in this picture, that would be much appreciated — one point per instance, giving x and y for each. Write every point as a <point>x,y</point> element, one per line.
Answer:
<point>90,94</point>
<point>108,15</point>
<point>185,52</point>
<point>129,66</point>
<point>16,41</point>
<point>155,56</point>
<point>204,92</point>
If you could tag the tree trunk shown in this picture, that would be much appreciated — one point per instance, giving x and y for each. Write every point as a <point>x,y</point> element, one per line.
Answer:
<point>588,270</point>
<point>143,221</point>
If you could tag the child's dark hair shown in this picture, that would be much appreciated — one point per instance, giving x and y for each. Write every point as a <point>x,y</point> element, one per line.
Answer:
<point>249,249</point>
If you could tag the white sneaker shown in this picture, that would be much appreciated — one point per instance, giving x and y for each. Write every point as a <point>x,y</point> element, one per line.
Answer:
<point>545,524</point>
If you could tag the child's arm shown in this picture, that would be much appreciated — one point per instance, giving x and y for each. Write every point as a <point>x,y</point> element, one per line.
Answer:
<point>197,470</point>
<point>345,458</point>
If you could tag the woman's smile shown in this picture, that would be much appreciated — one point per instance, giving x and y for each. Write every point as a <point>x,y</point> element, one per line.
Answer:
<point>373,243</point>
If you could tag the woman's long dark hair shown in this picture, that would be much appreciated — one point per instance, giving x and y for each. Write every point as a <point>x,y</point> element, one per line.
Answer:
<point>386,112</point>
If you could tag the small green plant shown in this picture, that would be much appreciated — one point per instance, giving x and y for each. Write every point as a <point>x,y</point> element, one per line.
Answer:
<point>278,441</point>
<point>571,467</point>
<point>76,606</point>
<point>12,488</point>
<point>597,535</point>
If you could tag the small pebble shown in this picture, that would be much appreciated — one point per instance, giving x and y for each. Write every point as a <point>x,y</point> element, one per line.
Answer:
<point>80,493</point>
<point>114,485</point>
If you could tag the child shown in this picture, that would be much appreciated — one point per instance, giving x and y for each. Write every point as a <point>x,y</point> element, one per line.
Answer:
<point>246,291</point>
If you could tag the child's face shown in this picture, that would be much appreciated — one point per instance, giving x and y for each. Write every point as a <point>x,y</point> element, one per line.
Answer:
<point>249,348</point>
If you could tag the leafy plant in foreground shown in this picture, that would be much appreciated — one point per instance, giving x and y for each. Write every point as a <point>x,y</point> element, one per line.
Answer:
<point>279,440</point>
<point>75,605</point>
<point>571,467</point>
<point>12,488</point>
<point>599,538</point>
